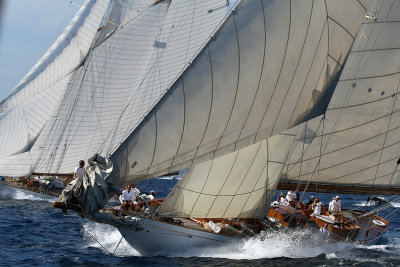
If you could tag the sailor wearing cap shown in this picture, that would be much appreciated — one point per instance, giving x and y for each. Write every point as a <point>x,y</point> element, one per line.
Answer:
<point>79,170</point>
<point>317,207</point>
<point>336,205</point>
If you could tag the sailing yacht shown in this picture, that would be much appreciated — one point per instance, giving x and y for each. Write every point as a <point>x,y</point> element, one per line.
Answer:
<point>250,96</point>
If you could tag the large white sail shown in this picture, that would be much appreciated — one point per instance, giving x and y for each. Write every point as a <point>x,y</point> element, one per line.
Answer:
<point>21,125</point>
<point>123,78</point>
<point>239,184</point>
<point>37,97</point>
<point>357,144</point>
<point>261,73</point>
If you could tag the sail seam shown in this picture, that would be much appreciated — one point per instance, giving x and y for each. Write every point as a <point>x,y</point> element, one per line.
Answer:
<point>295,70</point>
<point>308,73</point>
<point>245,176</point>
<point>341,26</point>
<point>211,105</point>
<point>223,185</point>
<point>364,103</point>
<point>346,96</point>
<point>227,195</point>
<point>361,4</point>
<point>387,131</point>
<point>280,71</point>
<point>259,177</point>
<point>371,167</point>
<point>353,159</point>
<point>237,84</point>
<point>354,144</point>
<point>183,124</point>
<point>371,77</point>
<point>261,72</point>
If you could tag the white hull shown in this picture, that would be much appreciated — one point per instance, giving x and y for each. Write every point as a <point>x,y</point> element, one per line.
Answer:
<point>159,237</point>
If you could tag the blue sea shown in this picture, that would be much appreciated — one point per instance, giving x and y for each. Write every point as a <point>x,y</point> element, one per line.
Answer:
<point>33,233</point>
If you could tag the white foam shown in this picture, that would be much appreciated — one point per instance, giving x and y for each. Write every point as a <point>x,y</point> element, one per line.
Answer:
<point>392,246</point>
<point>293,244</point>
<point>166,178</point>
<point>16,193</point>
<point>395,204</point>
<point>108,236</point>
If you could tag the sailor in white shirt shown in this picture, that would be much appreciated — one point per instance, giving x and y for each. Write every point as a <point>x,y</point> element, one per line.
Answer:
<point>129,197</point>
<point>317,207</point>
<point>290,196</point>
<point>336,205</point>
<point>276,202</point>
<point>80,170</point>
<point>330,208</point>
<point>283,202</point>
<point>148,198</point>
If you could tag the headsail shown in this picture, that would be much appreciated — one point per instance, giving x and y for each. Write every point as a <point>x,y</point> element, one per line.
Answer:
<point>238,184</point>
<point>356,147</point>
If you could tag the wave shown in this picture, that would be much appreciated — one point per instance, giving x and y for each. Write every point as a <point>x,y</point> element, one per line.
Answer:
<point>301,243</point>
<point>17,193</point>
<point>291,243</point>
<point>109,237</point>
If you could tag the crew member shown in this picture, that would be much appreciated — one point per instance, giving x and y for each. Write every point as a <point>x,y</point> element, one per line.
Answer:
<point>79,170</point>
<point>311,201</point>
<point>147,198</point>
<point>276,202</point>
<point>128,198</point>
<point>336,205</point>
<point>317,207</point>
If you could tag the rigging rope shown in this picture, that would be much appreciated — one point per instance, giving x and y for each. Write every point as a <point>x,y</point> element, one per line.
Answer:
<point>94,239</point>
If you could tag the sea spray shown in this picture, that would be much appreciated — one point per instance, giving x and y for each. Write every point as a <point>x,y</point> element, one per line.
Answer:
<point>16,193</point>
<point>109,237</point>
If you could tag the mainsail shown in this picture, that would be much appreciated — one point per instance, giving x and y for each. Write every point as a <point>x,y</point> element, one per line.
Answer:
<point>355,146</point>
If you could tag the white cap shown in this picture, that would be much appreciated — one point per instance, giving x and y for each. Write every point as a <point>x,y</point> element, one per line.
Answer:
<point>337,197</point>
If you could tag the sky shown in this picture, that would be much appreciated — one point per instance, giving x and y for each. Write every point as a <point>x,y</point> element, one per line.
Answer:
<point>28,28</point>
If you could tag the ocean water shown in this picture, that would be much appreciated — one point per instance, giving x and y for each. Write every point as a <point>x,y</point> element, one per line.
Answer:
<point>33,233</point>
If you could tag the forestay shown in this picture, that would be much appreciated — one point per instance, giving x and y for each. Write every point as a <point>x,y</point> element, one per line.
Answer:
<point>238,184</point>
<point>261,73</point>
<point>358,142</point>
